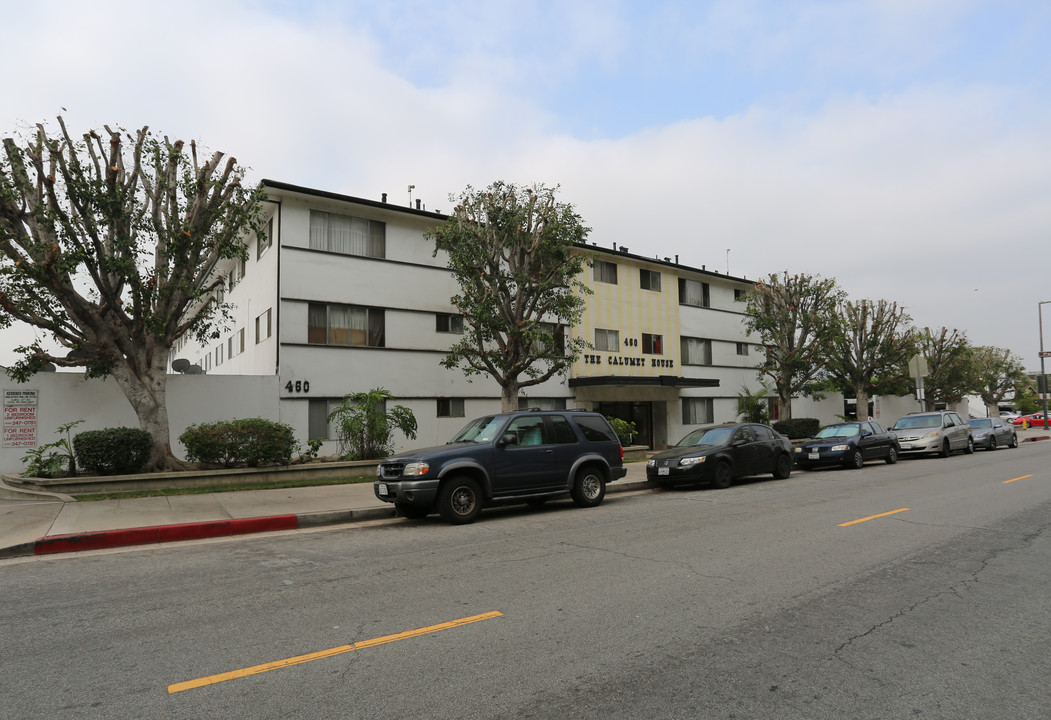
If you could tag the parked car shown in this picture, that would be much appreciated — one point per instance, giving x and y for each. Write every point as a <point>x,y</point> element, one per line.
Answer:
<point>992,432</point>
<point>1008,417</point>
<point>1028,421</point>
<point>722,453</point>
<point>528,455</point>
<point>939,431</point>
<point>849,444</point>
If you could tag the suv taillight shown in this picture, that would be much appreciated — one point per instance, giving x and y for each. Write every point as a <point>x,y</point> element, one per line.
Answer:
<point>621,448</point>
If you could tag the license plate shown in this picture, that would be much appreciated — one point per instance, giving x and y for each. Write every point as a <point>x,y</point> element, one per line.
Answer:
<point>663,471</point>
<point>814,456</point>
<point>382,488</point>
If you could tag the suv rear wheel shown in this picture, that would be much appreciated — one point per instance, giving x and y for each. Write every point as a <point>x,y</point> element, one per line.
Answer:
<point>460,500</point>
<point>589,487</point>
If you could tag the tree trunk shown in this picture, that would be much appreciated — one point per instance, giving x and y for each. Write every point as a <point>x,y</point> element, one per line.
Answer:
<point>509,395</point>
<point>861,409</point>
<point>784,405</point>
<point>146,392</point>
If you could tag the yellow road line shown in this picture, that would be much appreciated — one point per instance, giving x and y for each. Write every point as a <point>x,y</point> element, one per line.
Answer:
<point>872,517</point>
<point>1017,478</point>
<point>331,652</point>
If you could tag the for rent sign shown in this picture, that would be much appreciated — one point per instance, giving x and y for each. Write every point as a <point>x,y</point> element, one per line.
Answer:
<point>20,418</point>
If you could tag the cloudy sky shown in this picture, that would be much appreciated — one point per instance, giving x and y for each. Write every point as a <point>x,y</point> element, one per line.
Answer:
<point>902,147</point>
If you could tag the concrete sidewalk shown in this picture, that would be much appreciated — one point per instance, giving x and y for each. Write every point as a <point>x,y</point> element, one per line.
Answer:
<point>42,523</point>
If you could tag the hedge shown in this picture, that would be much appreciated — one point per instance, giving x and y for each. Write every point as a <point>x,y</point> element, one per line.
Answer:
<point>798,427</point>
<point>113,451</point>
<point>250,441</point>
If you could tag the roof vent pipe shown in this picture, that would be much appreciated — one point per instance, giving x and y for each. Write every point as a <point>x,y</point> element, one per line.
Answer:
<point>676,259</point>
<point>418,203</point>
<point>384,198</point>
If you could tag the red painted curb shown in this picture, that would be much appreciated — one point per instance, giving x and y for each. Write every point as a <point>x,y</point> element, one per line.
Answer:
<point>162,533</point>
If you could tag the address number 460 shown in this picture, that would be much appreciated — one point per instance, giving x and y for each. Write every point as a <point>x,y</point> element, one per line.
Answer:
<point>298,386</point>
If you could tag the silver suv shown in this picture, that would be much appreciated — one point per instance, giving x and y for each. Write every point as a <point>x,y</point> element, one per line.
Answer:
<point>938,431</point>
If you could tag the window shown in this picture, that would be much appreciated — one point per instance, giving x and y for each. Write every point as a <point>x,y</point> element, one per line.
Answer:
<point>605,272</point>
<point>450,407</point>
<point>240,345</point>
<point>542,403</point>
<point>445,323</point>
<point>219,356</point>
<point>345,325</point>
<point>595,428</point>
<point>347,235</point>
<point>742,348</point>
<point>265,239</point>
<point>692,292</point>
<point>696,351</point>
<point>558,335</point>
<point>528,430</point>
<point>317,418</point>
<point>652,344</point>
<point>263,326</point>
<point>739,294</point>
<point>650,280</point>
<point>230,346</point>
<point>697,411</point>
<point>563,431</point>
<point>607,340</point>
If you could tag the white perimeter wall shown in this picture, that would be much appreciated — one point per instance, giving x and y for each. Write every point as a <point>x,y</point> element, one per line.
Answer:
<point>65,397</point>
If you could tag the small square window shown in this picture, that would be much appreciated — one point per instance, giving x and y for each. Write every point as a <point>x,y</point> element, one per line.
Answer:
<point>607,340</point>
<point>445,323</point>
<point>742,348</point>
<point>652,344</point>
<point>605,272</point>
<point>450,407</point>
<point>650,280</point>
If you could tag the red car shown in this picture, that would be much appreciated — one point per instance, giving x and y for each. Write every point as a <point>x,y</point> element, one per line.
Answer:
<point>1034,420</point>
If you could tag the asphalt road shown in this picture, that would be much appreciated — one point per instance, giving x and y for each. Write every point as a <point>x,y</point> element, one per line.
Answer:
<point>759,601</point>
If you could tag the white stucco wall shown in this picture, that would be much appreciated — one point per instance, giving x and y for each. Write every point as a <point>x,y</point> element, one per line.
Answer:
<point>65,397</point>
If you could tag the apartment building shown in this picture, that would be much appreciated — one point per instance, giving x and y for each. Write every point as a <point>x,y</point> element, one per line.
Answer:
<point>342,294</point>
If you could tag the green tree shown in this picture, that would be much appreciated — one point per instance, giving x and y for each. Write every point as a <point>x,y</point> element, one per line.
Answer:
<point>366,427</point>
<point>109,244</point>
<point>794,316</point>
<point>869,352</point>
<point>513,252</point>
<point>997,372</point>
<point>752,406</point>
<point>950,374</point>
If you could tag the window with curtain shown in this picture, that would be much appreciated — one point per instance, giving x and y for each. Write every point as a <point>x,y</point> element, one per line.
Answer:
<point>697,411</point>
<point>347,235</point>
<point>605,272</point>
<point>696,351</point>
<point>345,325</point>
<point>607,340</point>
<point>450,407</point>
<point>692,292</point>
<point>652,344</point>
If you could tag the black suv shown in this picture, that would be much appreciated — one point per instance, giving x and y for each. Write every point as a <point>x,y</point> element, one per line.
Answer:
<point>529,455</point>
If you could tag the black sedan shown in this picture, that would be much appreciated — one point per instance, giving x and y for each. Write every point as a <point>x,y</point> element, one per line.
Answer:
<point>848,444</point>
<point>720,454</point>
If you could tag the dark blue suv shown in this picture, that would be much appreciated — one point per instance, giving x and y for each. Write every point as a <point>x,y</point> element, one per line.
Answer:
<point>530,455</point>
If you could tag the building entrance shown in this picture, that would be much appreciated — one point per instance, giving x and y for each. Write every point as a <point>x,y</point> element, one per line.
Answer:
<point>639,413</point>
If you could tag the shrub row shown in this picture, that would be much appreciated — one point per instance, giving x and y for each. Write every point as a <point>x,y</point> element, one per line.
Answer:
<point>113,451</point>
<point>251,441</point>
<point>798,427</point>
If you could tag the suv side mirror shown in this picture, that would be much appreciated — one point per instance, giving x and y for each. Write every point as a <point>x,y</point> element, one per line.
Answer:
<point>507,439</point>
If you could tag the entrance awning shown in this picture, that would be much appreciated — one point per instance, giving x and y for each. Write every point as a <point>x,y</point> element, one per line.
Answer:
<point>661,380</point>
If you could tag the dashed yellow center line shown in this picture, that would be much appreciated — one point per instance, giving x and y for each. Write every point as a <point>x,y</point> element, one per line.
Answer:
<point>1017,478</point>
<point>331,652</point>
<point>872,517</point>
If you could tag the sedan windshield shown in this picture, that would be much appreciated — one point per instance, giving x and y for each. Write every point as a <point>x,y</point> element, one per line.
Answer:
<point>707,436</point>
<point>482,430</point>
<point>834,431</point>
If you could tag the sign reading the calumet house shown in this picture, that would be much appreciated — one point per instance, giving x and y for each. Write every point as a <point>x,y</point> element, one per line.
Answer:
<point>20,418</point>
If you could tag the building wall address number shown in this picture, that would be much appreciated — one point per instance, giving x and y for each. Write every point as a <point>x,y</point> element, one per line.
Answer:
<point>298,386</point>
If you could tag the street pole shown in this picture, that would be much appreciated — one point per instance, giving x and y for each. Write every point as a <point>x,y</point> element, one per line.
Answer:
<point>1043,375</point>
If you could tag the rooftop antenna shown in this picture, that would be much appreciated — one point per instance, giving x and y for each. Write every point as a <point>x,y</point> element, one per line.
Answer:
<point>727,261</point>
<point>410,194</point>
